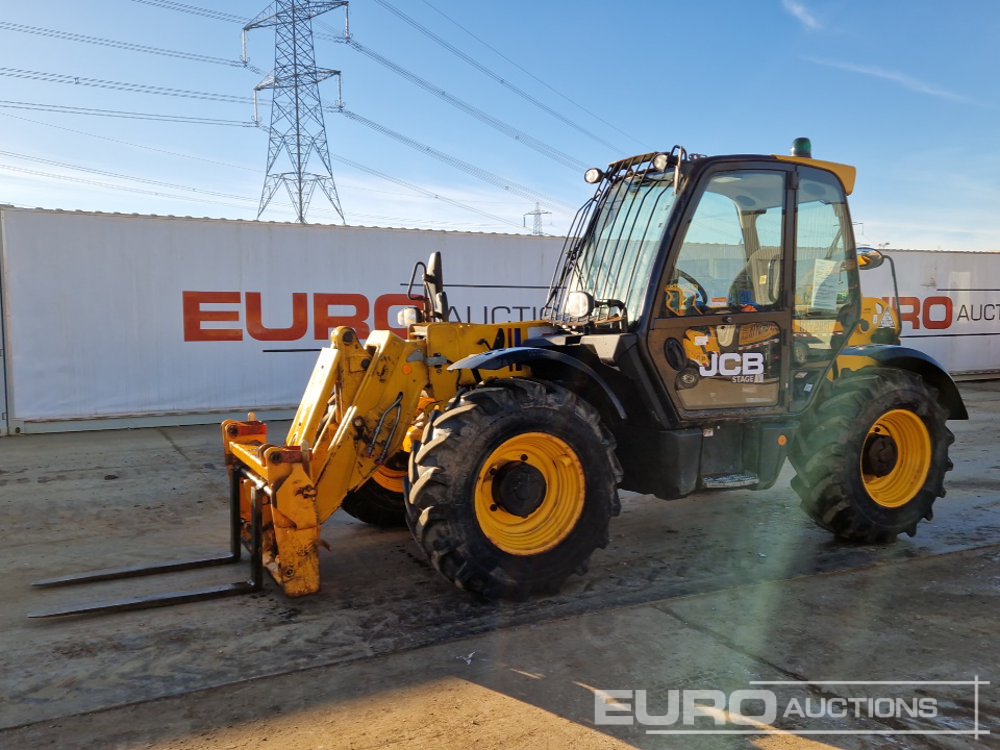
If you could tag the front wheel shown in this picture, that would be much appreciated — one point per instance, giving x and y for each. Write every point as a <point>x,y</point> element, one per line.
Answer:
<point>872,455</point>
<point>379,501</point>
<point>514,486</point>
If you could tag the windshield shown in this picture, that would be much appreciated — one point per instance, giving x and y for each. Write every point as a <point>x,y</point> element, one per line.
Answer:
<point>614,259</point>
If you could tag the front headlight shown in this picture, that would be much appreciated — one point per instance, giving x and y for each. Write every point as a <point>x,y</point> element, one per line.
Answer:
<point>578,305</point>
<point>408,316</point>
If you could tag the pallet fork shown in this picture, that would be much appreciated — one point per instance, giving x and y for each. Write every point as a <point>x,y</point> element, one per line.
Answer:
<point>236,524</point>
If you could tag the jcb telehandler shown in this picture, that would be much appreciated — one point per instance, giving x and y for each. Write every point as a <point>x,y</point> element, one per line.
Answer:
<point>705,320</point>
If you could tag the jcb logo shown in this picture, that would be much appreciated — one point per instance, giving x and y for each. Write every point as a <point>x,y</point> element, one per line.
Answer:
<point>732,364</point>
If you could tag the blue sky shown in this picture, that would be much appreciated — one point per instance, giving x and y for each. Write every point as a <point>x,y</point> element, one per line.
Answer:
<point>907,91</point>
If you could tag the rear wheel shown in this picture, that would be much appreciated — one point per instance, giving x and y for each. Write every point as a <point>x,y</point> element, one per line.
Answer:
<point>872,455</point>
<point>513,488</point>
<point>379,501</point>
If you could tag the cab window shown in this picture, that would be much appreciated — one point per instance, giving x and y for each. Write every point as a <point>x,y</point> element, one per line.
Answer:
<point>825,275</point>
<point>730,260</point>
<point>822,283</point>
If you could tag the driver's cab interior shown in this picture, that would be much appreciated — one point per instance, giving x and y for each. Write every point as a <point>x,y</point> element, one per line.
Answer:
<point>731,257</point>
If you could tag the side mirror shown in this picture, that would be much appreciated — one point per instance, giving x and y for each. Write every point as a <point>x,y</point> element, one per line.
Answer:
<point>434,288</point>
<point>435,273</point>
<point>869,258</point>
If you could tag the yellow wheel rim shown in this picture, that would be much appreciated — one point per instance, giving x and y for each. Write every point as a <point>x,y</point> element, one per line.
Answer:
<point>389,477</point>
<point>895,483</point>
<point>559,503</point>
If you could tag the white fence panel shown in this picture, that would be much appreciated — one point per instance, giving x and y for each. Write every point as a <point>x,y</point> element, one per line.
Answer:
<point>155,319</point>
<point>4,413</point>
<point>121,316</point>
<point>950,305</point>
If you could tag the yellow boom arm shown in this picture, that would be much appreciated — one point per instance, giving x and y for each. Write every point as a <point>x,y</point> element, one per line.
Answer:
<point>355,413</point>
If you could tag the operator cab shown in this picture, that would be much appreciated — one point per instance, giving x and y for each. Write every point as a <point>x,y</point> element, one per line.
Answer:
<point>714,295</point>
<point>736,275</point>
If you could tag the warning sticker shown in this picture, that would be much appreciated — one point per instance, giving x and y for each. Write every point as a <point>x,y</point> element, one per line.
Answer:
<point>825,284</point>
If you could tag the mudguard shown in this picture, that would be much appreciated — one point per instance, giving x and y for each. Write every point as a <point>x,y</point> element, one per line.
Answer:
<point>921,363</point>
<point>499,359</point>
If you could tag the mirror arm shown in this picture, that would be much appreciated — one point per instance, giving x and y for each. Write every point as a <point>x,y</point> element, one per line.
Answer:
<point>895,292</point>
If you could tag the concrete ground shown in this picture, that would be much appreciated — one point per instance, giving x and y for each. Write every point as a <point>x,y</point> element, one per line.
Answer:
<point>710,592</point>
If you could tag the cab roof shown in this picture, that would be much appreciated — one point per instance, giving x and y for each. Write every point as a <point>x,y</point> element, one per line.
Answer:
<point>844,172</point>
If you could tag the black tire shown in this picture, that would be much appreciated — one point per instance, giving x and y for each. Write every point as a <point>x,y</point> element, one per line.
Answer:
<point>444,472</point>
<point>833,441</point>
<point>374,504</point>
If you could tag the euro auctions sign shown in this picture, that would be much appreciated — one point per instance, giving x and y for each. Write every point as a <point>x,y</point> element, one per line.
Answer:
<point>898,709</point>
<point>136,316</point>
<point>309,316</point>
<point>939,313</point>
<point>236,316</point>
<point>949,304</point>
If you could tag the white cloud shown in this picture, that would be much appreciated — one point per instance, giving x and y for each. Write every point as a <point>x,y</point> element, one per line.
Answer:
<point>900,79</point>
<point>802,14</point>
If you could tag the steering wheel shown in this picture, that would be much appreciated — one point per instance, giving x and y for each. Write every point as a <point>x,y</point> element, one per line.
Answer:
<point>696,284</point>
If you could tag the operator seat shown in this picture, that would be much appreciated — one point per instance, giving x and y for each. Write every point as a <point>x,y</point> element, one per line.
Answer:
<point>759,283</point>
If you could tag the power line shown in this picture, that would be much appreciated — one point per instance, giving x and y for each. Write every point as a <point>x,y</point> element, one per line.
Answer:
<point>528,72</point>
<point>215,15</point>
<point>193,157</point>
<point>452,161</point>
<point>157,194</point>
<point>228,17</point>
<point>153,149</point>
<point>410,186</point>
<point>479,114</point>
<point>116,175</point>
<point>471,169</point>
<point>116,44</point>
<point>361,167</point>
<point>112,186</point>
<point>143,88</point>
<point>495,123</point>
<point>495,76</point>
<point>243,199</point>
<point>93,111</point>
<point>428,193</point>
<point>103,83</point>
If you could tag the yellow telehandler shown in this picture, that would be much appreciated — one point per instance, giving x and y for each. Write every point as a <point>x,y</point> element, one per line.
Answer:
<point>705,321</point>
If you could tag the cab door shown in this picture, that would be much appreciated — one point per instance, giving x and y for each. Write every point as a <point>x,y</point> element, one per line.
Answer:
<point>721,322</point>
<point>827,300</point>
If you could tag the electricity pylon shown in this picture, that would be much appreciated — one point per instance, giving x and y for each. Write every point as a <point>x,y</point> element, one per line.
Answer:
<point>297,127</point>
<point>538,213</point>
